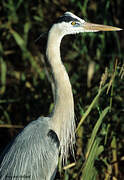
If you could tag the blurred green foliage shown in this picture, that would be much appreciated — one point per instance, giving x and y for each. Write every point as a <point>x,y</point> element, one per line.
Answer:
<point>24,87</point>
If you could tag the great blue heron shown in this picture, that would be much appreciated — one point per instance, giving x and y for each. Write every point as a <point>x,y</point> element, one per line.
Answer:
<point>34,152</point>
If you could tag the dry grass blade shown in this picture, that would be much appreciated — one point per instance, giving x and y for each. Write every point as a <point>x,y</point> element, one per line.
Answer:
<point>10,126</point>
<point>113,76</point>
<point>104,78</point>
<point>69,166</point>
<point>121,74</point>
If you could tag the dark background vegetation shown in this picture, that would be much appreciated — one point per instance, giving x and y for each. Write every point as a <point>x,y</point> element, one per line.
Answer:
<point>25,92</point>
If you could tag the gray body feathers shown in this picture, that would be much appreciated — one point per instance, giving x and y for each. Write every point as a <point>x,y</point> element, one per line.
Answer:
<point>28,156</point>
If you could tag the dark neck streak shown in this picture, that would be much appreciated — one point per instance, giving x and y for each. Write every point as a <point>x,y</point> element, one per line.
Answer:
<point>63,114</point>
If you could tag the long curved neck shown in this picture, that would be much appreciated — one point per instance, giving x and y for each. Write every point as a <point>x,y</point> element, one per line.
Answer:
<point>63,114</point>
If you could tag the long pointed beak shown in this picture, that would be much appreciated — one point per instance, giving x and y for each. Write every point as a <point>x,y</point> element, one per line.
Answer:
<point>98,27</point>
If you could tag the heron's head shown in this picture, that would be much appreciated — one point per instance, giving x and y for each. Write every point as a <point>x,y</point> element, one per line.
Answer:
<point>72,24</point>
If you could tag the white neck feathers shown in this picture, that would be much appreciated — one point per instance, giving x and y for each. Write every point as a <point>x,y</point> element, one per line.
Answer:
<point>62,120</point>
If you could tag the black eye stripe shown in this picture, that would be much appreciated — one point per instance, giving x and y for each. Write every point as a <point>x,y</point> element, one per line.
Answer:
<point>66,19</point>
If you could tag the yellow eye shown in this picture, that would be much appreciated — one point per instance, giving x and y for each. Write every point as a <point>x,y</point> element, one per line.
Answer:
<point>73,23</point>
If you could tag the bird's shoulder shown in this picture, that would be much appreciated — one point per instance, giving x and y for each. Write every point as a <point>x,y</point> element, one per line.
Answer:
<point>36,135</point>
<point>39,130</point>
<point>32,148</point>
